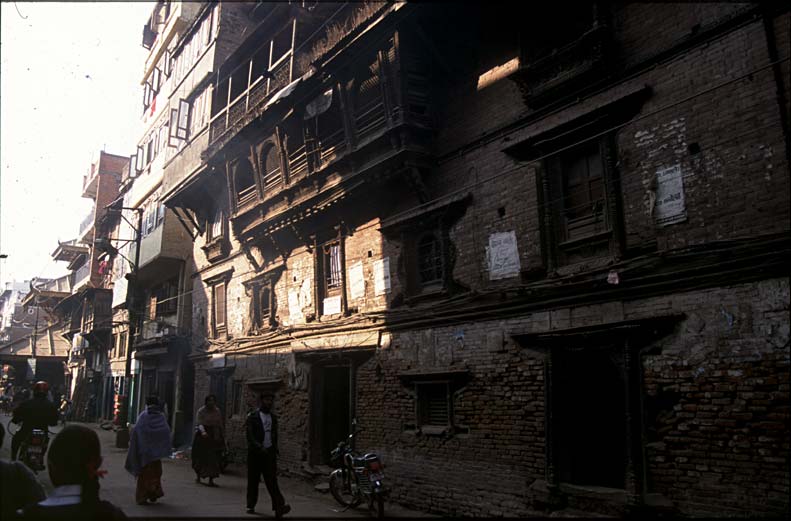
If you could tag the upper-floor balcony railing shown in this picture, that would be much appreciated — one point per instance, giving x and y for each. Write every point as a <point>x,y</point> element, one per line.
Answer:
<point>82,276</point>
<point>87,223</point>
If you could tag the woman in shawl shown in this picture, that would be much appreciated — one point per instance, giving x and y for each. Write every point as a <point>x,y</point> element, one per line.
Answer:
<point>209,442</point>
<point>149,442</point>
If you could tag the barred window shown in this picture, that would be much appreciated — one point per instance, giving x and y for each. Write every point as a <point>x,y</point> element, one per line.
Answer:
<point>332,267</point>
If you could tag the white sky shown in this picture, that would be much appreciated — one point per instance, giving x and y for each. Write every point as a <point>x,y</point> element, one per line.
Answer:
<point>69,88</point>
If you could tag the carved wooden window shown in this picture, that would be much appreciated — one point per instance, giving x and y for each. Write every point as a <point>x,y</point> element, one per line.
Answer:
<point>263,305</point>
<point>325,135</point>
<point>294,143</point>
<point>369,113</point>
<point>216,227</point>
<point>244,181</point>
<point>269,165</point>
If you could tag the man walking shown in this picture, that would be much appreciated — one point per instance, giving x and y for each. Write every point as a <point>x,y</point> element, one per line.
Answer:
<point>262,456</point>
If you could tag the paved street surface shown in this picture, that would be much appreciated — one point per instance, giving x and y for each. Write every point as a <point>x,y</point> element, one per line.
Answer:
<point>186,499</point>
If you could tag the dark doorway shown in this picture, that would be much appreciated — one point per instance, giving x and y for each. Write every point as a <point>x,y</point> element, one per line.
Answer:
<point>330,410</point>
<point>588,417</point>
<point>148,387</point>
<point>217,386</point>
<point>166,392</point>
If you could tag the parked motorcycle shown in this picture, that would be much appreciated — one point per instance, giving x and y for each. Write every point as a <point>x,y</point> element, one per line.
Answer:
<point>32,450</point>
<point>357,478</point>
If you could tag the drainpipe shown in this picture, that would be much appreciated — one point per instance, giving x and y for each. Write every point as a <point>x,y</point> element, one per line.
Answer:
<point>178,411</point>
<point>771,44</point>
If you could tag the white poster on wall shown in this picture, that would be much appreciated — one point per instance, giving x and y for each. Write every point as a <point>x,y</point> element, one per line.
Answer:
<point>382,276</point>
<point>294,309</point>
<point>356,281</point>
<point>332,305</point>
<point>670,207</point>
<point>503,256</point>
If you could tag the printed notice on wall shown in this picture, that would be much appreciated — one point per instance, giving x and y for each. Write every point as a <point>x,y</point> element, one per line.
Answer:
<point>503,256</point>
<point>294,309</point>
<point>356,281</point>
<point>332,305</point>
<point>382,276</point>
<point>669,206</point>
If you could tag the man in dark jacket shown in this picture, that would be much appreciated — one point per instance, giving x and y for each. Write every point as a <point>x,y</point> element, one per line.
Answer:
<point>36,413</point>
<point>262,456</point>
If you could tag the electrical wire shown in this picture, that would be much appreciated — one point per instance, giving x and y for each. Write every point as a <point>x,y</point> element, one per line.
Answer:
<point>537,160</point>
<point>533,206</point>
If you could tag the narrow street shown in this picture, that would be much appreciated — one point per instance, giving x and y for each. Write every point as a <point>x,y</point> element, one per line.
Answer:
<point>186,499</point>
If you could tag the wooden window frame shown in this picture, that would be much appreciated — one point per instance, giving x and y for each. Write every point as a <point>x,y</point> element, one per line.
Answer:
<point>423,419</point>
<point>217,219</point>
<point>604,240</point>
<point>437,262</point>
<point>411,239</point>
<point>219,328</point>
<point>263,321</point>
<point>322,261</point>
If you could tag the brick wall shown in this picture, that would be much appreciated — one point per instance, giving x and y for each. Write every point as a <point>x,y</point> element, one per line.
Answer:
<point>729,376</point>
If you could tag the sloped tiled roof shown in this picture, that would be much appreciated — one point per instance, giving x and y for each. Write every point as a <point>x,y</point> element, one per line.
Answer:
<point>49,343</point>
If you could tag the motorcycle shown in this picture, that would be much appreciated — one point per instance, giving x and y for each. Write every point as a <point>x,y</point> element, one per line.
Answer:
<point>357,478</point>
<point>33,449</point>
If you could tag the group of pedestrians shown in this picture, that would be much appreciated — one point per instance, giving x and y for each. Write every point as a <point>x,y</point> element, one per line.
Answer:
<point>74,460</point>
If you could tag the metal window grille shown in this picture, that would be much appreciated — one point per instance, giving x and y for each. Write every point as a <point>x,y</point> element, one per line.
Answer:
<point>332,266</point>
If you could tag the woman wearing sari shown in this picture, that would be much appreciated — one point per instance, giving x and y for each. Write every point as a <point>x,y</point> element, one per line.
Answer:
<point>148,444</point>
<point>209,442</point>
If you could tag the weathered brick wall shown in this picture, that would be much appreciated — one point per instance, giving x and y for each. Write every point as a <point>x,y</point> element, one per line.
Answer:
<point>234,27</point>
<point>722,435</point>
<point>723,443</point>
<point>735,185</point>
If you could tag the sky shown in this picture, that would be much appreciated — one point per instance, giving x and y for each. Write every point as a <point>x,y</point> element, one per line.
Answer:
<point>69,87</point>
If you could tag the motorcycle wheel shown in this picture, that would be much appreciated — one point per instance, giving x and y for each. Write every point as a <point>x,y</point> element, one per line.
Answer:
<point>341,489</point>
<point>378,506</point>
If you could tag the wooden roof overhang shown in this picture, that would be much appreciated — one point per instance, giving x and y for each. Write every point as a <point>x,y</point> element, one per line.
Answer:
<point>67,251</point>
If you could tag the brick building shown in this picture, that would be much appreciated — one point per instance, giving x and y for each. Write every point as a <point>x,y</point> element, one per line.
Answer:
<point>538,255</point>
<point>86,312</point>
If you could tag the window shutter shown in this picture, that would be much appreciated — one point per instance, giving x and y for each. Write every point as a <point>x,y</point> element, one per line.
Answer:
<point>156,79</point>
<point>139,160</point>
<point>173,140</point>
<point>183,119</point>
<point>167,64</point>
